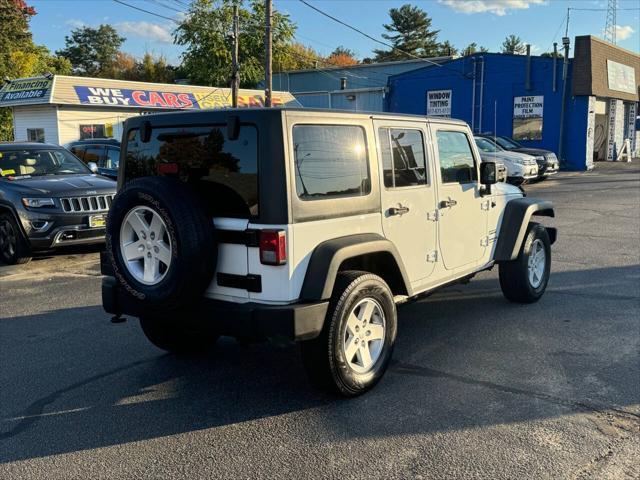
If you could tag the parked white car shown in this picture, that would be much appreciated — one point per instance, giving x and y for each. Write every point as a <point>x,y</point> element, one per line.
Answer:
<point>521,167</point>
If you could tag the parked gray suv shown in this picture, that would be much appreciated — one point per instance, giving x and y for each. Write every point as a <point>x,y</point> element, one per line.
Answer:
<point>48,199</point>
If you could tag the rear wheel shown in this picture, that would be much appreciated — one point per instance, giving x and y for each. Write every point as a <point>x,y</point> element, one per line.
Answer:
<point>524,280</point>
<point>14,249</point>
<point>354,349</point>
<point>176,336</point>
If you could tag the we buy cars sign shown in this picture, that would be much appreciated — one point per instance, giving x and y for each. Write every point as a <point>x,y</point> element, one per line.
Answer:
<point>124,97</point>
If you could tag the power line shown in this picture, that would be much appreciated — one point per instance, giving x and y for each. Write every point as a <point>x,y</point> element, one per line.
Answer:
<point>366,34</point>
<point>158,2</point>
<point>146,11</point>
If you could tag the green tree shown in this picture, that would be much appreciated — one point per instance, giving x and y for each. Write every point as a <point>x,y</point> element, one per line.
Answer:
<point>409,31</point>
<point>92,51</point>
<point>473,48</point>
<point>19,56</point>
<point>297,56</point>
<point>551,55</point>
<point>205,33</point>
<point>446,49</point>
<point>513,44</point>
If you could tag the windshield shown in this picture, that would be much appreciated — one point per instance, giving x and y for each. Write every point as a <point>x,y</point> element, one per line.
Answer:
<point>507,143</point>
<point>35,163</point>
<point>486,146</point>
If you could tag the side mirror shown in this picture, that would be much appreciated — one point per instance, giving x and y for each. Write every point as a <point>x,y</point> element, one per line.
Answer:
<point>488,175</point>
<point>93,167</point>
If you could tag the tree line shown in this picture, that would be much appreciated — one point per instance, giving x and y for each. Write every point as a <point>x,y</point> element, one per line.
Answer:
<point>204,32</point>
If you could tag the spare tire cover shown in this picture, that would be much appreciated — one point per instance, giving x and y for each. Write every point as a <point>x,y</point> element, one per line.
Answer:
<point>161,244</point>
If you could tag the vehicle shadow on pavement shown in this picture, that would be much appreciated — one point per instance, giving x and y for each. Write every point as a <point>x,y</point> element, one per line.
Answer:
<point>465,358</point>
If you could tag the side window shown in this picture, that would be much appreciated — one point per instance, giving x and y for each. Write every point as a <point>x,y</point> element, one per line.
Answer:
<point>456,157</point>
<point>330,161</point>
<point>403,157</point>
<point>96,155</point>
<point>113,157</point>
<point>78,152</point>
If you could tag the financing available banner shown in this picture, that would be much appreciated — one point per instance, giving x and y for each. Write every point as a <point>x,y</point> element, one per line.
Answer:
<point>24,90</point>
<point>124,97</point>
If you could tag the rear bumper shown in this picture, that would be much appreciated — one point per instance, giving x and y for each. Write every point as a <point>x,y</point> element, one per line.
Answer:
<point>300,321</point>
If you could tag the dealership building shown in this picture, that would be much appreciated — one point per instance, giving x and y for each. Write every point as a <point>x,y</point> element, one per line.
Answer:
<point>61,109</point>
<point>520,96</point>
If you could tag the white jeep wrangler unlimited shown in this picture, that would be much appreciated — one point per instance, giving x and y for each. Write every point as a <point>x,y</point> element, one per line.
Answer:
<point>311,225</point>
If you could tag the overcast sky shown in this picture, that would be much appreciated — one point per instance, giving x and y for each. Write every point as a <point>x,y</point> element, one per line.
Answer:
<point>486,22</point>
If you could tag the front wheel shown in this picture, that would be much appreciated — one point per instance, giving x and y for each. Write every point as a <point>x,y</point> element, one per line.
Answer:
<point>176,337</point>
<point>14,249</point>
<point>524,280</point>
<point>354,349</point>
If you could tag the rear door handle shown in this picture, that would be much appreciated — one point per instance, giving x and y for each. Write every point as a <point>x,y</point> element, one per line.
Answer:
<point>399,210</point>
<point>448,203</point>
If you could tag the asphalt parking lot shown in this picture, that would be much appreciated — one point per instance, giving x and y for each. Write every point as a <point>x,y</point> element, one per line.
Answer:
<point>479,387</point>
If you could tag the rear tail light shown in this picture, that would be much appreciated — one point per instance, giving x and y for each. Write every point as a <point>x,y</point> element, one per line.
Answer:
<point>273,247</point>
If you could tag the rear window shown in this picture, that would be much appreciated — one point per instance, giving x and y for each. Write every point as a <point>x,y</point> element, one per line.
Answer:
<point>330,161</point>
<point>222,170</point>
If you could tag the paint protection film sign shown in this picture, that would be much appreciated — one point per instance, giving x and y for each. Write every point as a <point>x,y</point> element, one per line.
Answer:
<point>528,107</point>
<point>439,103</point>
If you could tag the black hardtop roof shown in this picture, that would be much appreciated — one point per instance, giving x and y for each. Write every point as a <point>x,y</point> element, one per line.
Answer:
<point>200,117</point>
<point>7,146</point>
<point>96,141</point>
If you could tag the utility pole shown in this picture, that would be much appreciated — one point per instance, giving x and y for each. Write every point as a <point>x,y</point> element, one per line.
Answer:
<point>565,68</point>
<point>235,78</point>
<point>267,57</point>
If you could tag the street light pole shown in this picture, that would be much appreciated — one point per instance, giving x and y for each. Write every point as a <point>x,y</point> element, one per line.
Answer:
<point>268,52</point>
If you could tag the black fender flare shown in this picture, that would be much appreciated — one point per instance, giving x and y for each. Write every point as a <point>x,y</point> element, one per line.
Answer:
<point>327,257</point>
<point>515,220</point>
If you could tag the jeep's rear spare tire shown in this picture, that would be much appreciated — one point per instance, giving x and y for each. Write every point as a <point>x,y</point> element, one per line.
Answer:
<point>160,242</point>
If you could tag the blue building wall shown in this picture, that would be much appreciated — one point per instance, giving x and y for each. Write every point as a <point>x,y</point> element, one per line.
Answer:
<point>504,79</point>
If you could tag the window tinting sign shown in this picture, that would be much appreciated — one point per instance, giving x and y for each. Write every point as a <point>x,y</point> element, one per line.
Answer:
<point>439,103</point>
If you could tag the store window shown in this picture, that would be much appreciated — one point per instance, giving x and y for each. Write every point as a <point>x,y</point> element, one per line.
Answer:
<point>403,157</point>
<point>35,135</point>
<point>527,129</point>
<point>92,131</point>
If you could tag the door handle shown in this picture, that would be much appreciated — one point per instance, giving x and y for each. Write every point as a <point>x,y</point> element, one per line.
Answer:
<point>399,210</point>
<point>448,203</point>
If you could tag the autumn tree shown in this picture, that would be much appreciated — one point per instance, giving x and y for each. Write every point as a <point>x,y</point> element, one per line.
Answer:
<point>297,56</point>
<point>410,35</point>
<point>342,57</point>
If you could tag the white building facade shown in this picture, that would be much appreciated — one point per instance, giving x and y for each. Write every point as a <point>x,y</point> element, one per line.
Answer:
<point>62,109</point>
